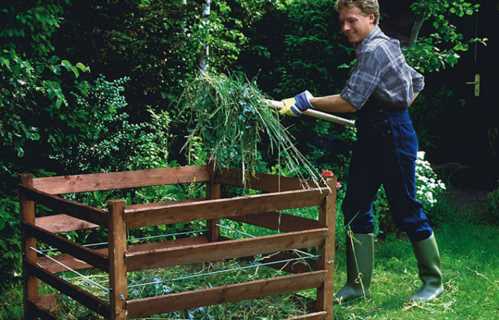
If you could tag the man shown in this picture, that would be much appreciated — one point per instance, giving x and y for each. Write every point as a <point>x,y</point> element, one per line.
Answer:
<point>380,89</point>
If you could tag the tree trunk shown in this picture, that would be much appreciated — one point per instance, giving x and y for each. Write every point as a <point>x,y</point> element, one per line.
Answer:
<point>203,61</point>
<point>416,28</point>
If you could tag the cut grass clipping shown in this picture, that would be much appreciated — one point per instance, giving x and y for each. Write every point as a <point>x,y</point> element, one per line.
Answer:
<point>231,118</point>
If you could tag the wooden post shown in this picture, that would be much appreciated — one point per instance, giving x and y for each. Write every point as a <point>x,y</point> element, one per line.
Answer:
<point>327,217</point>
<point>213,192</point>
<point>29,255</point>
<point>117,239</point>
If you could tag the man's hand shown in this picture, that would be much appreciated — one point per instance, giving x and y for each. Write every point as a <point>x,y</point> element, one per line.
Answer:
<point>297,105</point>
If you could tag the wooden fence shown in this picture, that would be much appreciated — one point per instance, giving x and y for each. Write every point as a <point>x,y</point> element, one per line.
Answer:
<point>118,257</point>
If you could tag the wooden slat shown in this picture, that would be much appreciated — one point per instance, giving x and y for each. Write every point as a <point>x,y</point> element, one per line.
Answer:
<point>77,264</point>
<point>30,283</point>
<point>71,208</point>
<point>65,259</point>
<point>47,302</point>
<point>327,217</point>
<point>284,222</point>
<point>83,297</point>
<point>311,316</point>
<point>224,294</point>
<point>221,208</point>
<point>224,250</point>
<point>155,205</point>
<point>120,180</point>
<point>117,239</point>
<point>213,191</point>
<point>38,311</point>
<point>58,223</point>
<point>261,181</point>
<point>152,246</point>
<point>91,257</point>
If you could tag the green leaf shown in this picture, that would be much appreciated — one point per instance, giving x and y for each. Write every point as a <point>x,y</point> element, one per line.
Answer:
<point>5,62</point>
<point>69,67</point>
<point>84,87</point>
<point>82,67</point>
<point>19,151</point>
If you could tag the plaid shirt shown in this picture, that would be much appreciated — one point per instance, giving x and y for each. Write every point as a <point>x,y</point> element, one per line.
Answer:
<point>381,70</point>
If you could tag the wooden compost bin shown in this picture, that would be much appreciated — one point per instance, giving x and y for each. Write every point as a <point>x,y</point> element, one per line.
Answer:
<point>118,257</point>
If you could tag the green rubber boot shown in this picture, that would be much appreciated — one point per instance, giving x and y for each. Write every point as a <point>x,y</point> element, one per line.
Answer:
<point>428,257</point>
<point>360,263</point>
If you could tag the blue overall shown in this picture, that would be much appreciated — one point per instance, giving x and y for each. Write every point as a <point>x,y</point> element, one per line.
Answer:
<point>384,154</point>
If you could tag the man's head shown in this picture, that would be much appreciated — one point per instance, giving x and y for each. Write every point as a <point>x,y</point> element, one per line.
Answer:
<point>357,18</point>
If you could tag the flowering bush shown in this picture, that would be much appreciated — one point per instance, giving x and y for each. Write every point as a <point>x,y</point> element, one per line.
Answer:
<point>428,186</point>
<point>428,189</point>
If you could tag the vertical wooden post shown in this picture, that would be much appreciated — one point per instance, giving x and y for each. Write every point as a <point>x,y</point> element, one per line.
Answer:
<point>117,239</point>
<point>213,192</point>
<point>29,255</point>
<point>327,217</point>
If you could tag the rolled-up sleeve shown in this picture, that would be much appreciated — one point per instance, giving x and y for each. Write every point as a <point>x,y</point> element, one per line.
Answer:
<point>417,81</point>
<point>363,80</point>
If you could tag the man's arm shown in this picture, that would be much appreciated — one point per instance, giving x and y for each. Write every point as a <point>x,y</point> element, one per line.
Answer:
<point>332,104</point>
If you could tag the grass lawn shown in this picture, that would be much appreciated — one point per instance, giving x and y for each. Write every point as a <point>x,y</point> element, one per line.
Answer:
<point>470,261</point>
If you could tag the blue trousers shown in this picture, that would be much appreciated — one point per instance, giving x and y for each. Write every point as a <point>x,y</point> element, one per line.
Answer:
<point>385,154</point>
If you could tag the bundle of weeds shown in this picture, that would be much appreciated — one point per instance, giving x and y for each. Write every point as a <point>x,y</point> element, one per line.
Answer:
<point>229,115</point>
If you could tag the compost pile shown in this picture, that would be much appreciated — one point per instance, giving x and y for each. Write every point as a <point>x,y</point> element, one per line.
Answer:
<point>230,116</point>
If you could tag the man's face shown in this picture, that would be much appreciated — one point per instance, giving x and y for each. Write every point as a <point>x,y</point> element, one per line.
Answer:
<point>355,25</point>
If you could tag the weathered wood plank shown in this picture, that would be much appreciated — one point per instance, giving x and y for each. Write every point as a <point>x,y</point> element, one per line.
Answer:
<point>47,302</point>
<point>77,264</point>
<point>121,180</point>
<point>155,205</point>
<point>224,294</point>
<point>152,246</point>
<point>65,259</point>
<point>261,181</point>
<point>283,222</point>
<point>214,191</point>
<point>224,250</point>
<point>30,283</point>
<point>91,257</point>
<point>83,297</point>
<point>38,311</point>
<point>72,208</point>
<point>221,208</point>
<point>117,239</point>
<point>327,216</point>
<point>312,316</point>
<point>59,223</point>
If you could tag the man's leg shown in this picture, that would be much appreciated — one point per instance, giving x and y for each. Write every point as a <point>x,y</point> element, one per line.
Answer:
<point>363,184</point>
<point>400,186</point>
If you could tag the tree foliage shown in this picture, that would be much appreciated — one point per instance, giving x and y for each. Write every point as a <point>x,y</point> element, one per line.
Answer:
<point>93,85</point>
<point>442,43</point>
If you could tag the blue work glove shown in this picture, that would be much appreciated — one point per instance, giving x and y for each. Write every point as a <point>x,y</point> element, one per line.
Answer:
<point>297,105</point>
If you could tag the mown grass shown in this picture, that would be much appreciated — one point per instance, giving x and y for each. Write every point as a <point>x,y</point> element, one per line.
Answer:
<point>470,261</point>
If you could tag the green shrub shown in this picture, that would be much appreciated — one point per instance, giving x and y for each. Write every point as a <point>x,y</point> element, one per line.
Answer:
<point>97,134</point>
<point>10,244</point>
<point>33,82</point>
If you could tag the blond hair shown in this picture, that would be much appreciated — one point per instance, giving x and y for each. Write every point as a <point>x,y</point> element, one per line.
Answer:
<point>367,7</point>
